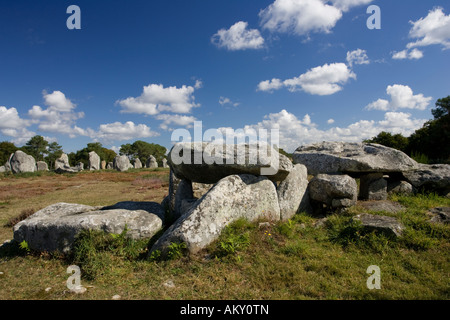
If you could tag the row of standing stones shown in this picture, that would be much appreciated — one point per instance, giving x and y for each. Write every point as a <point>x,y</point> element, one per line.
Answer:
<point>20,162</point>
<point>206,197</point>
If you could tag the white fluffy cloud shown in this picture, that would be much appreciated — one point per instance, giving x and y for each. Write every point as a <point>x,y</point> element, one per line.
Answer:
<point>238,37</point>
<point>302,17</point>
<point>10,119</point>
<point>402,97</point>
<point>299,16</point>
<point>294,132</point>
<point>323,80</point>
<point>227,101</point>
<point>58,117</point>
<point>346,5</point>
<point>433,29</point>
<point>357,56</point>
<point>118,131</point>
<point>406,54</point>
<point>177,119</point>
<point>155,98</point>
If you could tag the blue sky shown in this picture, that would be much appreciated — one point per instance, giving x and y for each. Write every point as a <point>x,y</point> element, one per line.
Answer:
<point>137,70</point>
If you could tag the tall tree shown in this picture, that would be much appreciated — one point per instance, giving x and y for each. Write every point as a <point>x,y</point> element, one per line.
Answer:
<point>396,141</point>
<point>143,150</point>
<point>433,139</point>
<point>54,151</point>
<point>37,147</point>
<point>6,148</point>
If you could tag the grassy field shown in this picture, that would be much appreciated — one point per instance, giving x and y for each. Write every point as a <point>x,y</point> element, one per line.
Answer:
<point>303,258</point>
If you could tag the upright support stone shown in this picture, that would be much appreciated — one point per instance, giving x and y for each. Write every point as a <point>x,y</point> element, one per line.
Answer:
<point>184,192</point>
<point>373,187</point>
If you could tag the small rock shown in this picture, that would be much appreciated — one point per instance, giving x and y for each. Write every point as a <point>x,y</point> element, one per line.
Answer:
<point>48,289</point>
<point>387,225</point>
<point>116,297</point>
<point>440,215</point>
<point>169,284</point>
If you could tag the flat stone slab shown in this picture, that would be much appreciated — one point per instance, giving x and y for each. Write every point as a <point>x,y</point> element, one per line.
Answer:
<point>386,225</point>
<point>382,205</point>
<point>205,162</point>
<point>352,158</point>
<point>55,227</point>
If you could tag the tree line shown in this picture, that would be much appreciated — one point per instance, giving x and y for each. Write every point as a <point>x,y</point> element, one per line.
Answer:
<point>42,150</point>
<point>429,144</point>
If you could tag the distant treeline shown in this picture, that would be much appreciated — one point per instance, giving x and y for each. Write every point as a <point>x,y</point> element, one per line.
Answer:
<point>42,150</point>
<point>429,144</point>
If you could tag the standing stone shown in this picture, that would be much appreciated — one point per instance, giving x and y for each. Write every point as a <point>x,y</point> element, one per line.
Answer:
<point>173,186</point>
<point>292,193</point>
<point>79,166</point>
<point>8,163</point>
<point>373,187</point>
<point>184,192</point>
<point>2,169</point>
<point>22,162</point>
<point>122,163</point>
<point>94,161</point>
<point>62,162</point>
<point>233,197</point>
<point>103,165</point>
<point>164,163</point>
<point>332,189</point>
<point>137,163</point>
<point>41,166</point>
<point>151,162</point>
<point>110,165</point>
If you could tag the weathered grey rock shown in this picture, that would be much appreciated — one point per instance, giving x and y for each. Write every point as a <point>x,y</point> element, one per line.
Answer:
<point>164,163</point>
<point>122,163</point>
<point>233,197</point>
<point>440,215</point>
<point>399,187</point>
<point>79,166</point>
<point>209,162</point>
<point>150,207</point>
<point>373,187</point>
<point>173,186</point>
<point>21,162</point>
<point>151,162</point>
<point>434,177</point>
<point>54,228</point>
<point>41,166</point>
<point>184,192</point>
<point>324,188</point>
<point>386,225</point>
<point>110,165</point>
<point>350,158</point>
<point>62,162</point>
<point>137,163</point>
<point>2,169</point>
<point>103,165</point>
<point>293,196</point>
<point>94,161</point>
<point>200,189</point>
<point>382,206</point>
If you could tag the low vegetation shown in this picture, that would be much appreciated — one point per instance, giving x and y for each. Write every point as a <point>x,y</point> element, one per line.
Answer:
<point>302,258</point>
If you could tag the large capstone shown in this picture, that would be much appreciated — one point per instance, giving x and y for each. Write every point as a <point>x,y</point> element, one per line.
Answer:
<point>206,162</point>
<point>352,158</point>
